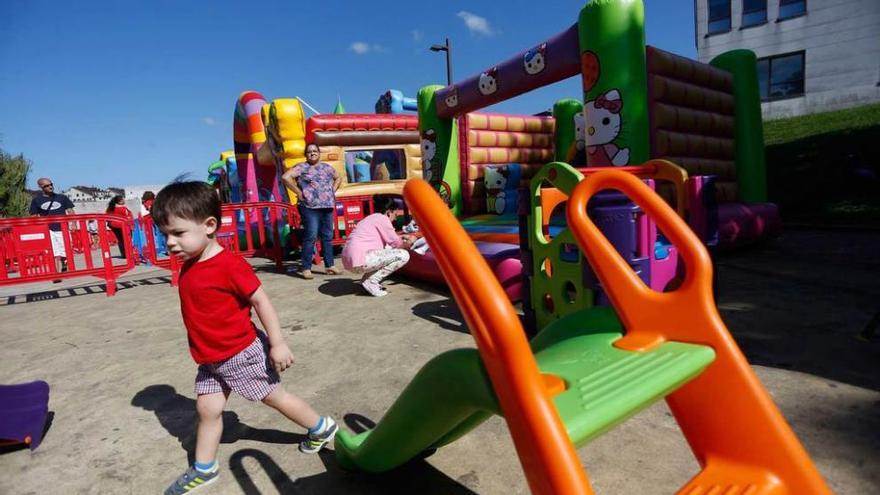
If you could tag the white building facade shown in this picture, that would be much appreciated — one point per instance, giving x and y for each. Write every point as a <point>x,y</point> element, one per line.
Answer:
<point>137,192</point>
<point>77,194</point>
<point>95,200</point>
<point>813,55</point>
<point>83,193</point>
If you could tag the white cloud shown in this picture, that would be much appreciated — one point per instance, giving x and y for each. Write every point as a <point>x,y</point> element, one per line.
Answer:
<point>359,47</point>
<point>476,24</point>
<point>417,35</point>
<point>209,121</point>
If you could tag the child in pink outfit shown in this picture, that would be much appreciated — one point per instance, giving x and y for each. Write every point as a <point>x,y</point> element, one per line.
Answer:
<point>375,249</point>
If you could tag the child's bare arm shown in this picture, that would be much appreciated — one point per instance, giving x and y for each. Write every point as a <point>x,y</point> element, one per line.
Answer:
<point>279,353</point>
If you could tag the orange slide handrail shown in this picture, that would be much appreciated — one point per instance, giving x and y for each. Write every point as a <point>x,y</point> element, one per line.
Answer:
<point>730,421</point>
<point>549,459</point>
<point>656,169</point>
<point>647,315</point>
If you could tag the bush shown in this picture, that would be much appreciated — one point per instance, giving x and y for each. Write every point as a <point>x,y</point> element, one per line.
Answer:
<point>14,198</point>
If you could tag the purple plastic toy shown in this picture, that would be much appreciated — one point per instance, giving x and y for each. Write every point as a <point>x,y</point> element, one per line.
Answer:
<point>23,411</point>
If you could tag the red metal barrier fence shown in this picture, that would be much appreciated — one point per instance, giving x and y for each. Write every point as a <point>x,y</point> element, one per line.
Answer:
<point>27,255</point>
<point>29,248</point>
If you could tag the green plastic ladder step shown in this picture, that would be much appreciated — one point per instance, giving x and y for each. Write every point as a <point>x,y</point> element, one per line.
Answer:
<point>606,385</point>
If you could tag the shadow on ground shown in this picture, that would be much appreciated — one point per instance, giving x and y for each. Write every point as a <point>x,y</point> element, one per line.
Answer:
<point>416,476</point>
<point>177,414</point>
<point>79,290</point>
<point>807,303</point>
<point>443,313</point>
<point>336,286</point>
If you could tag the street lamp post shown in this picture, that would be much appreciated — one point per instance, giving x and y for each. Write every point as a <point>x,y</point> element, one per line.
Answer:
<point>448,49</point>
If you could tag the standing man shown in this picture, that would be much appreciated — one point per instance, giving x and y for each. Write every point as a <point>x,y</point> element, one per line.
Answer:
<point>315,183</point>
<point>50,204</point>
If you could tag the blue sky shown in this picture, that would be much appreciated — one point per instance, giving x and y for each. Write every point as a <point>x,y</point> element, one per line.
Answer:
<point>112,93</point>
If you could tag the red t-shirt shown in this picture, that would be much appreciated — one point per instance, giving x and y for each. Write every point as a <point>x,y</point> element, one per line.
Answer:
<point>215,302</point>
<point>120,210</point>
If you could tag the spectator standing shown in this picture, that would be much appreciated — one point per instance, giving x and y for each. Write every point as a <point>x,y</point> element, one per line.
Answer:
<point>315,184</point>
<point>47,204</point>
<point>117,207</point>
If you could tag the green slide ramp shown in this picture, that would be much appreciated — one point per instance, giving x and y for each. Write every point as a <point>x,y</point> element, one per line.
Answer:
<point>452,394</point>
<point>448,397</point>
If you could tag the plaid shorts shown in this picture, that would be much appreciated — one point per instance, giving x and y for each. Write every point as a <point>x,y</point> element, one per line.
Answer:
<point>248,373</point>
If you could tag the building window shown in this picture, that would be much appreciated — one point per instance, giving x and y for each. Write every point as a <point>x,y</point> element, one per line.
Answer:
<point>781,76</point>
<point>792,8</point>
<point>719,16</point>
<point>754,12</point>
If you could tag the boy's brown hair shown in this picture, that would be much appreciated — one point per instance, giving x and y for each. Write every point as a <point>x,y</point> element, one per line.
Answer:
<point>194,200</point>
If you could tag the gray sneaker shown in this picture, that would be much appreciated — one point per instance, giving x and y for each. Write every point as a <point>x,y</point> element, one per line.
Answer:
<point>317,441</point>
<point>192,480</point>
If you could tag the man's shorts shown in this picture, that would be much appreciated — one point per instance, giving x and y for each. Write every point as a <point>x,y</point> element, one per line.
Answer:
<point>57,238</point>
<point>248,373</point>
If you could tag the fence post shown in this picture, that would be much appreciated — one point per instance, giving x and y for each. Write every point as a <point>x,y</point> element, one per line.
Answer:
<point>3,273</point>
<point>151,252</point>
<point>274,222</point>
<point>68,247</point>
<point>247,228</point>
<point>106,259</point>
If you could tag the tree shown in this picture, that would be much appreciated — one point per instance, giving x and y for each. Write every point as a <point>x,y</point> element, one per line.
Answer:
<point>14,198</point>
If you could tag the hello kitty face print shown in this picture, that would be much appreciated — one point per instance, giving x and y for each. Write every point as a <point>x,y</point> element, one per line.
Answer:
<point>489,81</point>
<point>603,117</point>
<point>603,120</point>
<point>495,180</point>
<point>429,149</point>
<point>534,59</point>
<point>452,98</point>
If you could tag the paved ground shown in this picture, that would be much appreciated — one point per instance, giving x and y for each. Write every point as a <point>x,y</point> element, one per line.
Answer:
<point>122,402</point>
